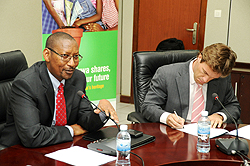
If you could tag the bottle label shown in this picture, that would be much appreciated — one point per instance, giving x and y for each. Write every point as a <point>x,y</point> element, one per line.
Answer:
<point>123,145</point>
<point>203,129</point>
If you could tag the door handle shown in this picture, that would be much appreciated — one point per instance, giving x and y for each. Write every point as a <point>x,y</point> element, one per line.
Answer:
<point>194,30</point>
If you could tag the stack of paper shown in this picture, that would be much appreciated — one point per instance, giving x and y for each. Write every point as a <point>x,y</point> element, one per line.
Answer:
<point>242,132</point>
<point>192,129</point>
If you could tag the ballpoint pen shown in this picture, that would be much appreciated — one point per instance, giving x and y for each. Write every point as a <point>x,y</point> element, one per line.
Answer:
<point>176,114</point>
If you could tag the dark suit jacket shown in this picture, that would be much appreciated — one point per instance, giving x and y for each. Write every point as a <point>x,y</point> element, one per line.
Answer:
<point>169,91</point>
<point>32,104</point>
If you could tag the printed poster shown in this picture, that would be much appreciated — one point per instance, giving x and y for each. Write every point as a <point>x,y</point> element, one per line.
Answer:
<point>98,44</point>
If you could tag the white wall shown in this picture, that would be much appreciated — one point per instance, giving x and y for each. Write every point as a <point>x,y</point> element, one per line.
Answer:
<point>216,27</point>
<point>239,37</point>
<point>239,34</point>
<point>119,52</point>
<point>21,28</point>
<point>126,49</point>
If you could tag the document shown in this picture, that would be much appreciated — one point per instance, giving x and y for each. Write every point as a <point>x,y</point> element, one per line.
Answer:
<point>242,132</point>
<point>192,129</point>
<point>80,156</point>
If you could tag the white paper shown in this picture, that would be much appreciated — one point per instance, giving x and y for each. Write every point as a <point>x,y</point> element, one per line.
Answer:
<point>243,132</point>
<point>192,129</point>
<point>80,156</point>
<point>76,11</point>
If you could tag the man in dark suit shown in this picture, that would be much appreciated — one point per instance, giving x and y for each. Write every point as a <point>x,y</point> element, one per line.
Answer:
<point>32,118</point>
<point>173,89</point>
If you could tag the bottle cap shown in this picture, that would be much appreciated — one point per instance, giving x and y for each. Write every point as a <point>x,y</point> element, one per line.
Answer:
<point>123,127</point>
<point>204,113</point>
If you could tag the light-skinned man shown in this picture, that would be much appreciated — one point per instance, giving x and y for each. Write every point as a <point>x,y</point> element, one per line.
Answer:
<point>174,88</point>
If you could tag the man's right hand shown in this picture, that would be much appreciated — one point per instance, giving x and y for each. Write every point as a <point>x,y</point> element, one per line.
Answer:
<point>175,122</point>
<point>78,130</point>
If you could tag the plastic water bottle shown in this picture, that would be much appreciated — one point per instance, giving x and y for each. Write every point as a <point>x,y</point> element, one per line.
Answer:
<point>204,124</point>
<point>123,147</point>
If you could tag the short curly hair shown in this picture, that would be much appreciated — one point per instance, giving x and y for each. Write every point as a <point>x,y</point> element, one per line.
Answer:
<point>220,58</point>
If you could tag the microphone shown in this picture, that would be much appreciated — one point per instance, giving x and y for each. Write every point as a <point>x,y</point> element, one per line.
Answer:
<point>83,95</point>
<point>228,145</point>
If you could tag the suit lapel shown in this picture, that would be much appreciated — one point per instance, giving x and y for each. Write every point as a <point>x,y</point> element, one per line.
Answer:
<point>212,87</point>
<point>69,92</point>
<point>182,81</point>
<point>48,87</point>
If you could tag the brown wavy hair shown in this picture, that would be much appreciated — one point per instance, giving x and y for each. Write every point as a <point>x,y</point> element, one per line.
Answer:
<point>220,58</point>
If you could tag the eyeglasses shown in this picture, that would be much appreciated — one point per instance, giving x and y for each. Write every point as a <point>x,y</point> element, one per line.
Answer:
<point>67,58</point>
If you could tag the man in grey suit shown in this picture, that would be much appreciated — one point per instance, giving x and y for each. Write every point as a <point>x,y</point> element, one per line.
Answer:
<point>32,119</point>
<point>173,87</point>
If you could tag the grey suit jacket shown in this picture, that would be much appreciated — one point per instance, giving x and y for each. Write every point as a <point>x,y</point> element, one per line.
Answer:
<point>169,91</point>
<point>32,104</point>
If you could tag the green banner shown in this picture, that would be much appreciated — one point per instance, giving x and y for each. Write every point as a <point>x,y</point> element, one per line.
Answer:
<point>99,63</point>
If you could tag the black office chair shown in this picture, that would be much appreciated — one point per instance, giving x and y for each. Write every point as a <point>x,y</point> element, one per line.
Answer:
<point>144,67</point>
<point>11,63</point>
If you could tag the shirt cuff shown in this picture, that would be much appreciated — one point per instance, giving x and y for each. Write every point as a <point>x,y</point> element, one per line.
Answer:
<point>70,130</point>
<point>223,115</point>
<point>163,118</point>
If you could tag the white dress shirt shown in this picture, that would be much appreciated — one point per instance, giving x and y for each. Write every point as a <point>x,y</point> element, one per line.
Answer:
<point>56,84</point>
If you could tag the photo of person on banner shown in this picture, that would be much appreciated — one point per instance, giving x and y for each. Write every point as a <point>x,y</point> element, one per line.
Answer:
<point>110,13</point>
<point>84,12</point>
<point>90,15</point>
<point>53,16</point>
<point>100,49</point>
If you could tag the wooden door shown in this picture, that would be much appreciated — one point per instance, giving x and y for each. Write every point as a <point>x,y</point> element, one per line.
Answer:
<point>158,20</point>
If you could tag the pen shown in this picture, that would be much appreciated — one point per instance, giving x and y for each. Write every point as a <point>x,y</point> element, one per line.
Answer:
<point>176,114</point>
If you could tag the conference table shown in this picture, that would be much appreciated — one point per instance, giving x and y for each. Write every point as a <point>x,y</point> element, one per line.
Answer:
<point>171,147</point>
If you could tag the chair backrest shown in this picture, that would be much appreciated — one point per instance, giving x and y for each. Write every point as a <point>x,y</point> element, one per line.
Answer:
<point>11,63</point>
<point>170,44</point>
<point>145,65</point>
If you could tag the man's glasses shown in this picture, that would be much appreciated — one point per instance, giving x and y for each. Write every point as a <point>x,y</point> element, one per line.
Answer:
<point>66,58</point>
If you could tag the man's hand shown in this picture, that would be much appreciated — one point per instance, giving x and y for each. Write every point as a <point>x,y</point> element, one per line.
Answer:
<point>216,120</point>
<point>106,106</point>
<point>78,130</point>
<point>175,122</point>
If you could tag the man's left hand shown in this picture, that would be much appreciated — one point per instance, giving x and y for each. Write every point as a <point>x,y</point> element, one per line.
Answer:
<point>216,120</point>
<point>106,106</point>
